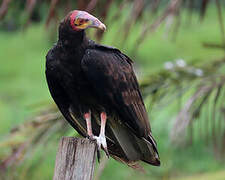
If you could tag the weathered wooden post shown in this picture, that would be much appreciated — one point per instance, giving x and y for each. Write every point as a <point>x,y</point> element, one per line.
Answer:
<point>75,159</point>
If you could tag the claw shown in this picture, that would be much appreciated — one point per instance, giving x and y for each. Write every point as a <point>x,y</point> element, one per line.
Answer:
<point>98,155</point>
<point>106,152</point>
<point>91,138</point>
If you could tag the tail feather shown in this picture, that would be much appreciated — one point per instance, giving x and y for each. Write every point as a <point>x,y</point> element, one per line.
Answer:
<point>152,157</point>
<point>153,142</point>
<point>135,148</point>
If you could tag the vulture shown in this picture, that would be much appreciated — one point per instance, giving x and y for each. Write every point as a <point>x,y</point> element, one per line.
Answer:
<point>95,88</point>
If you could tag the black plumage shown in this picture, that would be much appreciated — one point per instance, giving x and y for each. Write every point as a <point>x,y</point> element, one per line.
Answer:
<point>83,76</point>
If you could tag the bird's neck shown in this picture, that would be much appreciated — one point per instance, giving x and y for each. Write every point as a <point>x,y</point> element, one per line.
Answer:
<point>71,39</point>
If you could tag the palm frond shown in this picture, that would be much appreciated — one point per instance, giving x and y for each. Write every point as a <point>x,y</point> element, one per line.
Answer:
<point>201,88</point>
<point>24,138</point>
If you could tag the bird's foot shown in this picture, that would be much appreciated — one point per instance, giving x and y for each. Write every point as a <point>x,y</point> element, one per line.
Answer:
<point>101,142</point>
<point>92,138</point>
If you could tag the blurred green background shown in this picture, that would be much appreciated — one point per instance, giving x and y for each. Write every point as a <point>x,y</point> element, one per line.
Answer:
<point>28,143</point>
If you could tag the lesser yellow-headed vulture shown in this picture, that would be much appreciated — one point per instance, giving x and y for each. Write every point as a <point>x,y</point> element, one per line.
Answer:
<point>96,90</point>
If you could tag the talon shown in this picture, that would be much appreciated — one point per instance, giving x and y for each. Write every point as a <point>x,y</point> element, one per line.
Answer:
<point>91,138</point>
<point>98,155</point>
<point>106,152</point>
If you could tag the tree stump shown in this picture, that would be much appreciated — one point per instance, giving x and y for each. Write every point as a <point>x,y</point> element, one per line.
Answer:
<point>75,159</point>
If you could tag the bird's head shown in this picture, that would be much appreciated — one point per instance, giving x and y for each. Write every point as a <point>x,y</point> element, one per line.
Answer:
<point>81,20</point>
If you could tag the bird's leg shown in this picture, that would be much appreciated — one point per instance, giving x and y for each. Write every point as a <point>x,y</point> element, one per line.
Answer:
<point>101,140</point>
<point>87,117</point>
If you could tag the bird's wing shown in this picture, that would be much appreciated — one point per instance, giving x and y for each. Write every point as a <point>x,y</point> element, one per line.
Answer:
<point>112,77</point>
<point>59,94</point>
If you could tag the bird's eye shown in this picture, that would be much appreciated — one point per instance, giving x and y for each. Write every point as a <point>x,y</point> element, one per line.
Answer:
<point>80,21</point>
<point>77,22</point>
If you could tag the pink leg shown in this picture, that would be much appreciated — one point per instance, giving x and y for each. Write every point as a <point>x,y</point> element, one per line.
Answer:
<point>103,123</point>
<point>87,117</point>
<point>101,140</point>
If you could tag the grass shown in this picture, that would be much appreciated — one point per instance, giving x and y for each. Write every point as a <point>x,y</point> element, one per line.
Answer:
<point>23,91</point>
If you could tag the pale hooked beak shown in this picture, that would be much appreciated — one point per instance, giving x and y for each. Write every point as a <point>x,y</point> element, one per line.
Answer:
<point>97,24</point>
<point>102,27</point>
